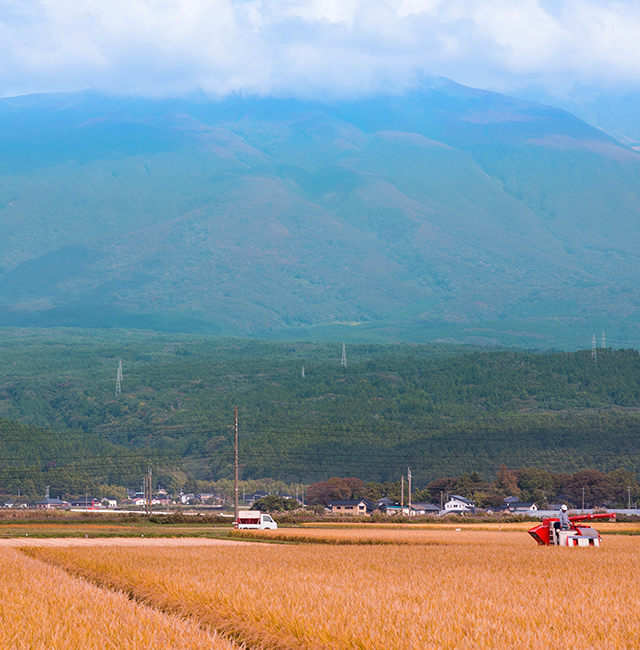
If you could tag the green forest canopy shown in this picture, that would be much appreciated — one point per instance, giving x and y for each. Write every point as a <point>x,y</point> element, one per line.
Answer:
<point>443,410</point>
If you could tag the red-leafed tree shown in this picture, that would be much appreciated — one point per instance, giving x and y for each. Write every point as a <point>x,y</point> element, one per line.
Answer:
<point>335,488</point>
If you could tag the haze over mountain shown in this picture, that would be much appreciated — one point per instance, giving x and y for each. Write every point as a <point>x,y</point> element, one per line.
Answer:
<point>446,212</point>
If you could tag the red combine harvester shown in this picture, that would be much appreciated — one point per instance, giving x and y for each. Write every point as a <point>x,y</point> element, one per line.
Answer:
<point>547,534</point>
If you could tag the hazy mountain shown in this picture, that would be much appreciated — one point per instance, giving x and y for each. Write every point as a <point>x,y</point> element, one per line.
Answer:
<point>450,212</point>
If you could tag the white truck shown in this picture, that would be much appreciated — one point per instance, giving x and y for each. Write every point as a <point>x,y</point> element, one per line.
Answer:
<point>255,519</point>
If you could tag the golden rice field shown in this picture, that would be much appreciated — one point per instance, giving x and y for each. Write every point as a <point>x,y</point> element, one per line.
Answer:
<point>401,534</point>
<point>462,589</point>
<point>44,608</point>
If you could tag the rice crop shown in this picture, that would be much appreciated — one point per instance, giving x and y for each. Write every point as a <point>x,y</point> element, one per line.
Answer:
<point>474,589</point>
<point>367,535</point>
<point>44,608</point>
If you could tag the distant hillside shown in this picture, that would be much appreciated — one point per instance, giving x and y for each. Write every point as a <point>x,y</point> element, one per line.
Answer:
<point>440,409</point>
<point>449,213</point>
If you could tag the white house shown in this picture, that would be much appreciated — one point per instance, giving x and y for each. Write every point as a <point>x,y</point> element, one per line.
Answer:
<point>457,503</point>
<point>418,509</point>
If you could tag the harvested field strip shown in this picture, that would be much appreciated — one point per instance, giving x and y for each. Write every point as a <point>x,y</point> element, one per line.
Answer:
<point>371,536</point>
<point>44,608</point>
<point>303,537</point>
<point>476,590</point>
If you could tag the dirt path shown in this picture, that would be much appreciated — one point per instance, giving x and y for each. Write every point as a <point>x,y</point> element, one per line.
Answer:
<point>118,541</point>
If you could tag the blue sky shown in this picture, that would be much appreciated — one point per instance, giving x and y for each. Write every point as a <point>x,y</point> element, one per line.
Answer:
<point>317,47</point>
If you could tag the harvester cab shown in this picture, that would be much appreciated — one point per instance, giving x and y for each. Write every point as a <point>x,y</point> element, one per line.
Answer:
<point>548,533</point>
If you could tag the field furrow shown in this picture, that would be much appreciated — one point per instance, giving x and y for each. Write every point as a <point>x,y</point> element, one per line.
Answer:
<point>44,608</point>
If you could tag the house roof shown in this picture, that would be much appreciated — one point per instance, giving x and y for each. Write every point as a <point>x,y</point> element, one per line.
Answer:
<point>522,505</point>
<point>463,499</point>
<point>352,502</point>
<point>51,502</point>
<point>425,506</point>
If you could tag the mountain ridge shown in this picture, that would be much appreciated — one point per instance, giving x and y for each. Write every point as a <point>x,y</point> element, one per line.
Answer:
<point>254,216</point>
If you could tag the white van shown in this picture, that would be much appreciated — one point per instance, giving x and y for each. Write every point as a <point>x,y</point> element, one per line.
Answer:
<point>255,519</point>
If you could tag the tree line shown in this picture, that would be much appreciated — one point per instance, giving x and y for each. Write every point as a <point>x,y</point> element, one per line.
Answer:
<point>593,488</point>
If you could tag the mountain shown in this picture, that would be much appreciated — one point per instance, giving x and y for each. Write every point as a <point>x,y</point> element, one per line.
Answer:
<point>448,213</point>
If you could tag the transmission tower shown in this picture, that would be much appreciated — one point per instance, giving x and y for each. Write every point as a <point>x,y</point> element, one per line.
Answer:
<point>603,342</point>
<point>594,354</point>
<point>303,372</point>
<point>343,362</point>
<point>119,379</point>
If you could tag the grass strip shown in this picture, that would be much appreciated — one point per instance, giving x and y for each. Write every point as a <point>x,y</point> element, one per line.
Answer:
<point>333,541</point>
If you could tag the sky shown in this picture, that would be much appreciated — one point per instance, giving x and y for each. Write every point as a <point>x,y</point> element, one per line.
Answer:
<point>317,48</point>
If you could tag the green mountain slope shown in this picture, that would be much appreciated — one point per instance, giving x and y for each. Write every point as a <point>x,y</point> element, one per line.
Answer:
<point>449,213</point>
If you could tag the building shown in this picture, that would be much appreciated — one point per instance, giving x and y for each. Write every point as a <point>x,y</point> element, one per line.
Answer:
<point>353,507</point>
<point>250,499</point>
<point>388,506</point>
<point>86,502</point>
<point>458,505</point>
<point>421,509</point>
<point>50,504</point>
<point>522,507</point>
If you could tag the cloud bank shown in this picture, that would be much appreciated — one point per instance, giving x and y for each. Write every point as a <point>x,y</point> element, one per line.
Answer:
<point>315,47</point>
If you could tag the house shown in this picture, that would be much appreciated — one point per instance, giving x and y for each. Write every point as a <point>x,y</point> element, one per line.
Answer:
<point>420,509</point>
<point>250,499</point>
<point>522,507</point>
<point>351,507</point>
<point>110,503</point>
<point>50,504</point>
<point>458,504</point>
<point>86,502</point>
<point>388,506</point>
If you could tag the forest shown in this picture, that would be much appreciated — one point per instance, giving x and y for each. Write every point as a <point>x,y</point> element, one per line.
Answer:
<point>443,410</point>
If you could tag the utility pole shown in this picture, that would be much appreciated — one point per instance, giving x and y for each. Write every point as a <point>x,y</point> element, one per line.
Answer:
<point>409,477</point>
<point>440,500</point>
<point>629,497</point>
<point>583,500</point>
<point>594,354</point>
<point>343,361</point>
<point>236,508</point>
<point>402,495</point>
<point>150,493</point>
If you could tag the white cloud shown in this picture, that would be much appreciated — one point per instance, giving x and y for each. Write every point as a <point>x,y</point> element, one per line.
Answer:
<point>314,46</point>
